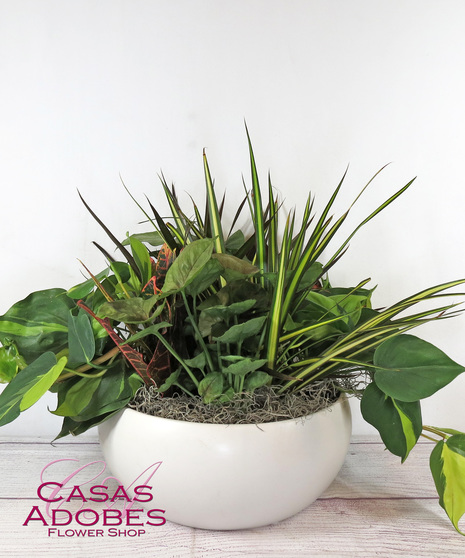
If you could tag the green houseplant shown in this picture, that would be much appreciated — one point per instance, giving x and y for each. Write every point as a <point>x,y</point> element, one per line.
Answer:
<point>214,315</point>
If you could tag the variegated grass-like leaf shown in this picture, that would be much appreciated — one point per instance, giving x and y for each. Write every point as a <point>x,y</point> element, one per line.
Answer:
<point>213,212</point>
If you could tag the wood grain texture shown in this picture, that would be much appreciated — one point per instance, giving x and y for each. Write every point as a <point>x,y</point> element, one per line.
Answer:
<point>376,507</point>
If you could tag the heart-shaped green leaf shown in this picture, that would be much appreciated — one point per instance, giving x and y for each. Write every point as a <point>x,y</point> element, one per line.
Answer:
<point>398,423</point>
<point>188,265</point>
<point>81,339</point>
<point>240,332</point>
<point>244,366</point>
<point>410,368</point>
<point>211,387</point>
<point>38,324</point>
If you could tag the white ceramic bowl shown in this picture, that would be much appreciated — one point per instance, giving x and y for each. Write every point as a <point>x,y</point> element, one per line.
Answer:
<point>228,476</point>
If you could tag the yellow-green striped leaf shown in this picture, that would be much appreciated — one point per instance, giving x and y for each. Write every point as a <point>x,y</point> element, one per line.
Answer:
<point>447,465</point>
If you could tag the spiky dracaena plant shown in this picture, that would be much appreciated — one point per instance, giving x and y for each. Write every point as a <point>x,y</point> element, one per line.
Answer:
<point>194,309</point>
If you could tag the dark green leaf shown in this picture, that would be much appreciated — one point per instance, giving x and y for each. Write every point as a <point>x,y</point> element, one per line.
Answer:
<point>215,314</point>
<point>151,330</point>
<point>81,339</point>
<point>244,366</point>
<point>205,278</point>
<point>227,396</point>
<point>238,291</point>
<point>310,276</point>
<point>412,369</point>
<point>398,423</point>
<point>113,392</point>
<point>211,387</point>
<point>142,259</point>
<point>235,241</point>
<point>38,324</point>
<point>132,310</point>
<point>74,396</point>
<point>240,332</point>
<point>172,379</point>
<point>256,380</point>
<point>29,385</point>
<point>188,265</point>
<point>75,428</point>
<point>199,361</point>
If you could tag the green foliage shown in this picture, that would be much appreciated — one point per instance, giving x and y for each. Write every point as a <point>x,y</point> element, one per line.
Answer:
<point>410,369</point>
<point>448,469</point>
<point>11,362</point>
<point>198,309</point>
<point>398,423</point>
<point>37,324</point>
<point>188,265</point>
<point>28,387</point>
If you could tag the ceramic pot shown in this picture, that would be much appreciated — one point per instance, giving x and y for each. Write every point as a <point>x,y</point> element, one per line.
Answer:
<point>241,476</point>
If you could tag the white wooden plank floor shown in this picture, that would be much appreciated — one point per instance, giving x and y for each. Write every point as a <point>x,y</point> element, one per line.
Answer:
<point>376,507</point>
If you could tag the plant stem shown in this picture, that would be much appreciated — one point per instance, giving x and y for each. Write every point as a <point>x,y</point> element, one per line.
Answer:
<point>71,373</point>
<point>435,431</point>
<point>428,437</point>
<point>107,356</point>
<point>80,371</point>
<point>197,333</point>
<point>185,390</point>
<point>177,357</point>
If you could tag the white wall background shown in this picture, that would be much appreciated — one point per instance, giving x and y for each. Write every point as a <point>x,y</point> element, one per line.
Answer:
<point>90,89</point>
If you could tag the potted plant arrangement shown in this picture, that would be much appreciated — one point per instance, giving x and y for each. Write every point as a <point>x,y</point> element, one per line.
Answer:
<point>226,359</point>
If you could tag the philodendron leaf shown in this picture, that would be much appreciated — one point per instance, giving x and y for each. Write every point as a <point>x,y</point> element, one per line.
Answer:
<point>244,366</point>
<point>256,380</point>
<point>225,313</point>
<point>399,423</point>
<point>188,265</point>
<point>172,379</point>
<point>29,385</point>
<point>311,276</point>
<point>81,339</point>
<point>151,330</point>
<point>10,362</point>
<point>220,313</point>
<point>411,369</point>
<point>447,465</point>
<point>38,324</point>
<point>235,241</point>
<point>142,258</point>
<point>131,311</point>
<point>73,400</point>
<point>211,387</point>
<point>75,428</point>
<point>205,278</point>
<point>100,395</point>
<point>241,332</point>
<point>238,265</point>
<point>199,361</point>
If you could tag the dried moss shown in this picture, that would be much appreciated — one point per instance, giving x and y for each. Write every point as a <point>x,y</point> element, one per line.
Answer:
<point>263,405</point>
